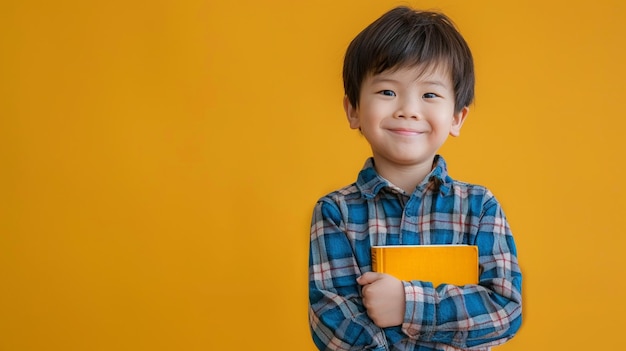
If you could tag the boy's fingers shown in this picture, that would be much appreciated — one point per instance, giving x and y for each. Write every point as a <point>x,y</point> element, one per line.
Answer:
<point>368,278</point>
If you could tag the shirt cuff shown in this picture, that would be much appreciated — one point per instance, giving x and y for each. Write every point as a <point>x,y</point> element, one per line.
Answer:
<point>419,314</point>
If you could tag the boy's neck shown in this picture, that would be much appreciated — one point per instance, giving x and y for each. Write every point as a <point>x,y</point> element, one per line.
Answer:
<point>406,177</point>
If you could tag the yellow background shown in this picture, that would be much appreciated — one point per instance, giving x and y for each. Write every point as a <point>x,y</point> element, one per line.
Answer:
<point>160,161</point>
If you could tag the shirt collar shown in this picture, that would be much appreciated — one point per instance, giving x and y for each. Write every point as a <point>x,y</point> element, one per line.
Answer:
<point>369,182</point>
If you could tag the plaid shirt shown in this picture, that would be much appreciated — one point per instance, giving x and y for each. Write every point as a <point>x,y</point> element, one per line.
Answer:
<point>347,222</point>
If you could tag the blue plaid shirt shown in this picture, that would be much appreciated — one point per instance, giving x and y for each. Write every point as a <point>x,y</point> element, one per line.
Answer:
<point>372,211</point>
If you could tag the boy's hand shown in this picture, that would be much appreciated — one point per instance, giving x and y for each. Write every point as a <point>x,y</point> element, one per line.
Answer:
<point>383,297</point>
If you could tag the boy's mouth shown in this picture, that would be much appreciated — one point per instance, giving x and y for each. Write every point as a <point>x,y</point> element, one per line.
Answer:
<point>406,131</point>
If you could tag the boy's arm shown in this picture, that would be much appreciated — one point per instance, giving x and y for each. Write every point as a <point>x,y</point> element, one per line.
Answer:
<point>337,316</point>
<point>469,316</point>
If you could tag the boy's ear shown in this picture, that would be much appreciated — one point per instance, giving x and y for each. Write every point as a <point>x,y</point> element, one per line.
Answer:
<point>351,113</point>
<point>457,121</point>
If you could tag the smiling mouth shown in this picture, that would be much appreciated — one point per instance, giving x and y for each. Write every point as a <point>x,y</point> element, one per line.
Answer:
<point>407,132</point>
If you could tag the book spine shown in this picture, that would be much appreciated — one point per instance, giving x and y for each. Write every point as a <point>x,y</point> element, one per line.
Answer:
<point>377,260</point>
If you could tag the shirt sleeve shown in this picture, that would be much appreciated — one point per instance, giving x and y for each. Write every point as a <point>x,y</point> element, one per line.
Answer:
<point>472,316</point>
<point>337,316</point>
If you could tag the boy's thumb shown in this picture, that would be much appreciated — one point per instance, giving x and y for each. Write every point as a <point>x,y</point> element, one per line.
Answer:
<point>368,278</point>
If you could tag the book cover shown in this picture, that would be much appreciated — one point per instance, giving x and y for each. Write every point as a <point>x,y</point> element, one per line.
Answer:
<point>449,264</point>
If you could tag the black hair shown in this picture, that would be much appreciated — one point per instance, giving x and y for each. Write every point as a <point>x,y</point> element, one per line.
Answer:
<point>407,37</point>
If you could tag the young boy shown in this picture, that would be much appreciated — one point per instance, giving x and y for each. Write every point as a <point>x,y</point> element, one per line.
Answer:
<point>409,80</point>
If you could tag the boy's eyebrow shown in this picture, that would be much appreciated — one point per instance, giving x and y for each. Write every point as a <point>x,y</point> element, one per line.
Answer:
<point>435,82</point>
<point>378,79</point>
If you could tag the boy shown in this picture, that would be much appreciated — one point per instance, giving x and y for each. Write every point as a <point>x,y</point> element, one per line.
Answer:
<point>409,80</point>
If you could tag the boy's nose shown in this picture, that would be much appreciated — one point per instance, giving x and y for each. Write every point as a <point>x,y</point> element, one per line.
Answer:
<point>409,109</point>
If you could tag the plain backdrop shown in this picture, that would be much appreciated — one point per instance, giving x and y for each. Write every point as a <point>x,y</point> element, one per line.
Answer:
<point>159,163</point>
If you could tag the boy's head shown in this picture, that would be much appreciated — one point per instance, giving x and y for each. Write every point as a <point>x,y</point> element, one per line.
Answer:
<point>404,37</point>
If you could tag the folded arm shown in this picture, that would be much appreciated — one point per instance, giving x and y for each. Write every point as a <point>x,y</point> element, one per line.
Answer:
<point>472,316</point>
<point>337,316</point>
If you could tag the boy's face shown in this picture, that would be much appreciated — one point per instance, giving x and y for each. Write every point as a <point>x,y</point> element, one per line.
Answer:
<point>406,114</point>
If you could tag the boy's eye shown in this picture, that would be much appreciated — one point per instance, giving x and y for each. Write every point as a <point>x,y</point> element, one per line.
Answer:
<point>430,95</point>
<point>387,92</point>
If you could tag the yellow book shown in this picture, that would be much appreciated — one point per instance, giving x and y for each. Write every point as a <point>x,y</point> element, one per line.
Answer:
<point>449,264</point>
